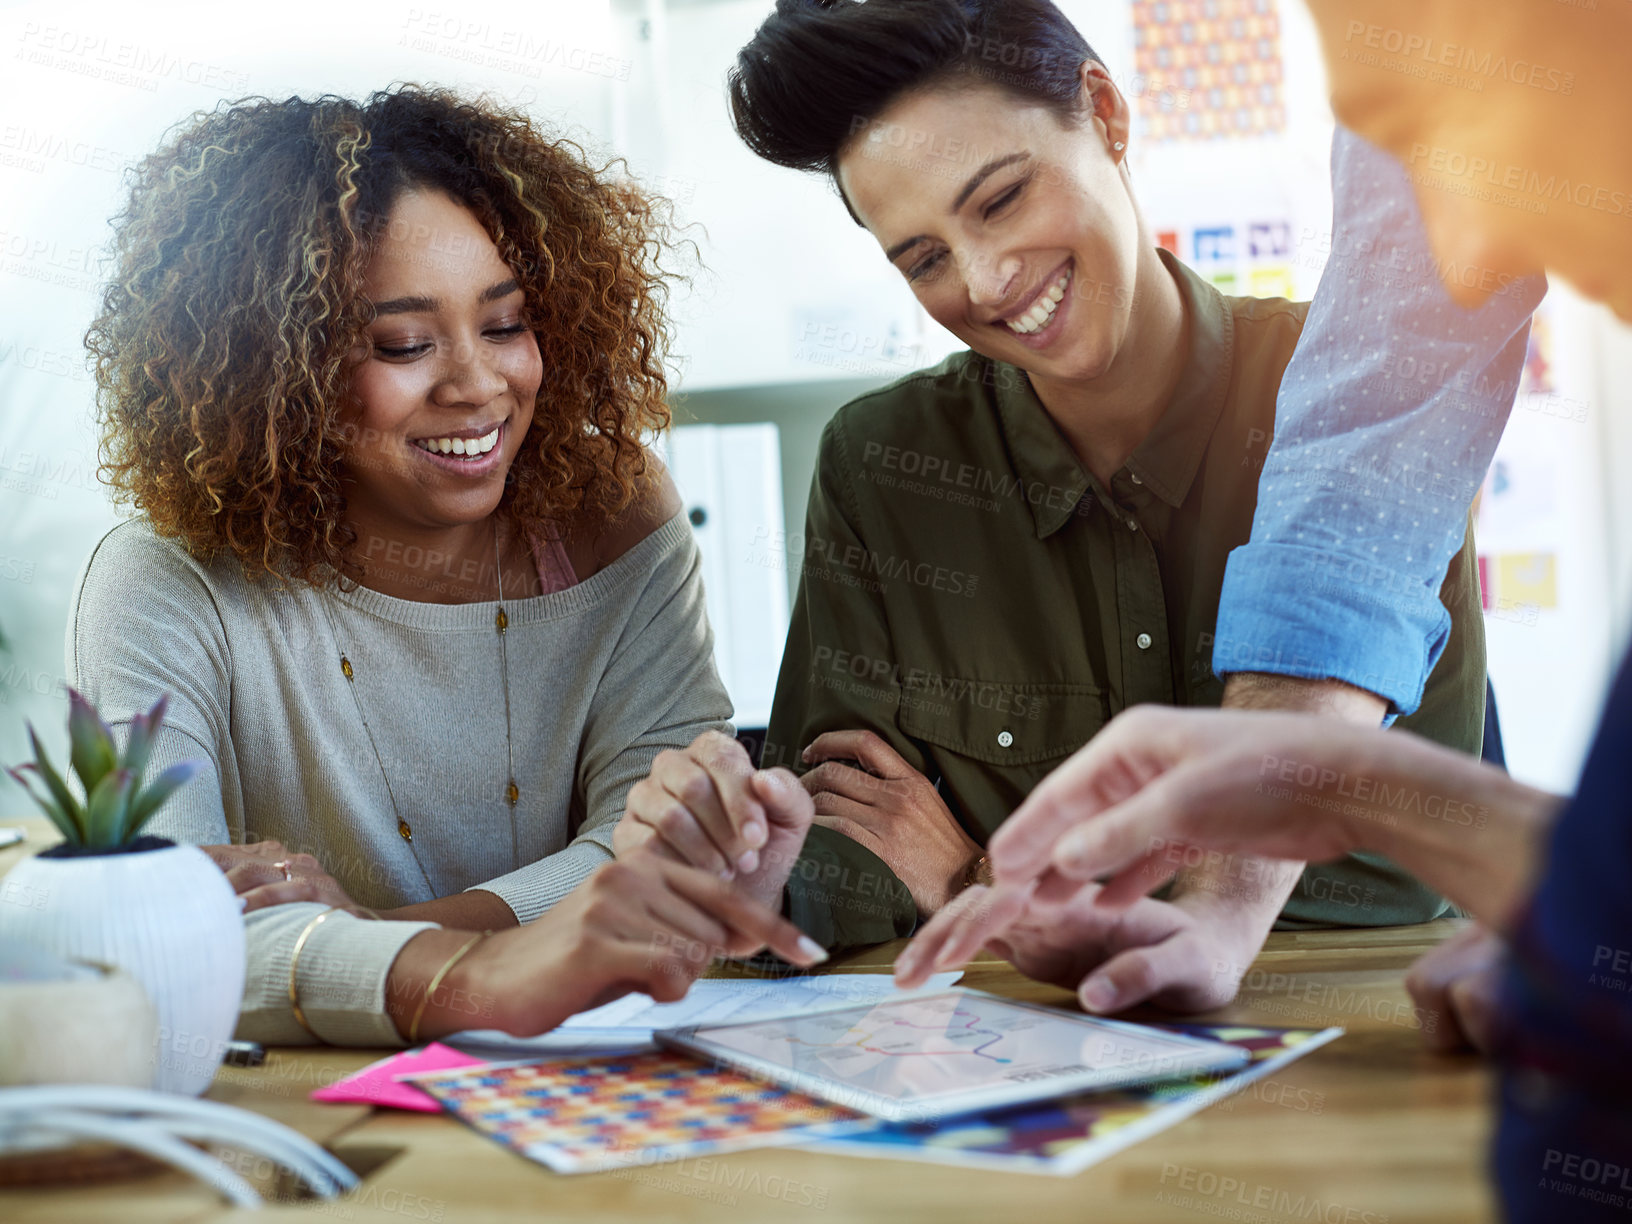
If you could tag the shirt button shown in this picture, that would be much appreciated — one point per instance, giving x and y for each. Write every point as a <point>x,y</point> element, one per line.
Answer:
<point>1133,524</point>
<point>407,833</point>
<point>1135,476</point>
<point>1004,739</point>
<point>1143,641</point>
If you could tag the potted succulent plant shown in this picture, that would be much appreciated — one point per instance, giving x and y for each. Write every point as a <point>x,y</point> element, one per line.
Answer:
<point>163,913</point>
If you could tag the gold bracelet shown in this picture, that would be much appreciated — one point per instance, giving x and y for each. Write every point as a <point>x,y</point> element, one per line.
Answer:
<point>419,1012</point>
<point>294,967</point>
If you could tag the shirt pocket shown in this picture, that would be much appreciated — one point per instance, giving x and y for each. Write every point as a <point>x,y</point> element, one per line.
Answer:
<point>1000,724</point>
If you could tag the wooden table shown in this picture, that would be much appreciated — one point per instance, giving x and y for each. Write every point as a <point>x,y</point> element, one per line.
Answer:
<point>1371,1129</point>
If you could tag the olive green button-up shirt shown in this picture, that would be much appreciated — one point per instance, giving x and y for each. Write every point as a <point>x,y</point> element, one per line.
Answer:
<point>972,594</point>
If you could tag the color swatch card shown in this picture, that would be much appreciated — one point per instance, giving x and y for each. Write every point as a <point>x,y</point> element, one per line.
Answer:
<point>611,1112</point>
<point>1066,1136</point>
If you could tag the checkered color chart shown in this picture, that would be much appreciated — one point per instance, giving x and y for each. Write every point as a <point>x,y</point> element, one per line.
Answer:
<point>1211,68</point>
<point>614,1111</point>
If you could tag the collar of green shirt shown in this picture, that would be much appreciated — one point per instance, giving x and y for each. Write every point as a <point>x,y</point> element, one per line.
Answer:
<point>1166,461</point>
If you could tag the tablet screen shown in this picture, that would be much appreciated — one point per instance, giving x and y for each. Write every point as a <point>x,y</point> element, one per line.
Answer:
<point>929,1055</point>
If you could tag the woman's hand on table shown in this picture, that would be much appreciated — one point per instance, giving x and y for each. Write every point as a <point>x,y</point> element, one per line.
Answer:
<point>264,873</point>
<point>889,807</point>
<point>642,922</point>
<point>709,807</point>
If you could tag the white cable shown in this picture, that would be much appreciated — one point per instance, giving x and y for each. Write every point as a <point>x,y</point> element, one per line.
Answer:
<point>186,1116</point>
<point>278,1152</point>
<point>155,1143</point>
<point>309,1159</point>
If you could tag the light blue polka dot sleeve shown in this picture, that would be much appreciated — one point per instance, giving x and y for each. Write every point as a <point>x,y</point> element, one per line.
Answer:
<point>1386,422</point>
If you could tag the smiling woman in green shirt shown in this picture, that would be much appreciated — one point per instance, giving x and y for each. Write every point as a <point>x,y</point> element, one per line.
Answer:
<point>1004,552</point>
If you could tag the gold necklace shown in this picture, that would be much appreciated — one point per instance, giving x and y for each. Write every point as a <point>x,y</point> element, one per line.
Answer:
<point>512,793</point>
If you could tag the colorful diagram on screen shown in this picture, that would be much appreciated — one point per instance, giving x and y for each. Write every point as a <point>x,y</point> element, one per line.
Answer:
<point>962,1033</point>
<point>1208,68</point>
<point>920,1049</point>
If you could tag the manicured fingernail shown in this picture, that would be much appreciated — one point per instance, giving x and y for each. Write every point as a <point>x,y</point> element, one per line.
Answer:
<point>243,903</point>
<point>749,862</point>
<point>1098,995</point>
<point>812,950</point>
<point>754,833</point>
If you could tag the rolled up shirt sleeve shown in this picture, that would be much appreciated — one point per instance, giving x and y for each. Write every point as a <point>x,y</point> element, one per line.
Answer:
<point>1385,424</point>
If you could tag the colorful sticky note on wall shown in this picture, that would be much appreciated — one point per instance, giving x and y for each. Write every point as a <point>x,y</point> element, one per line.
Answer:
<point>1214,243</point>
<point>1528,578</point>
<point>1273,281</point>
<point>1269,239</point>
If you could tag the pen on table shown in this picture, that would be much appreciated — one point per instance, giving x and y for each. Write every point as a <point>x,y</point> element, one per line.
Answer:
<point>10,835</point>
<point>245,1054</point>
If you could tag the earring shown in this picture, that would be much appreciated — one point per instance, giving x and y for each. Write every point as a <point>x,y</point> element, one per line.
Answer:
<point>1119,146</point>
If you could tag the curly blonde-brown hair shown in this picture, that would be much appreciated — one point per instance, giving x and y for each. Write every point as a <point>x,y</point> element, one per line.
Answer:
<point>221,348</point>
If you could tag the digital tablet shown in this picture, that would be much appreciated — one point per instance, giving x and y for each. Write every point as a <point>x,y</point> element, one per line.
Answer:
<point>934,1055</point>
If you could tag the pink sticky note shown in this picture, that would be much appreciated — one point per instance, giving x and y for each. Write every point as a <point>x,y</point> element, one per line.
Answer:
<point>375,1085</point>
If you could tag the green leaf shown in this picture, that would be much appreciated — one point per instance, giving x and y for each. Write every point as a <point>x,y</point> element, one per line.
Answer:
<point>153,795</point>
<point>48,805</point>
<point>138,747</point>
<point>144,729</point>
<point>93,753</point>
<point>106,811</point>
<point>59,789</point>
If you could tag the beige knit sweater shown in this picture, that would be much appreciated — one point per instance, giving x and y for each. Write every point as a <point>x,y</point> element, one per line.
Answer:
<point>602,675</point>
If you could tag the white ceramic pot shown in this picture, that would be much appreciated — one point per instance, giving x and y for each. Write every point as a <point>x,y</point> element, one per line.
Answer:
<point>168,918</point>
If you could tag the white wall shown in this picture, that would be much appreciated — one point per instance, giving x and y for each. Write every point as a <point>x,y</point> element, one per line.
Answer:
<point>794,290</point>
<point>1551,665</point>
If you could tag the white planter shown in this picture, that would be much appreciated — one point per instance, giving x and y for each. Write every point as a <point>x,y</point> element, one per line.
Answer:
<point>168,918</point>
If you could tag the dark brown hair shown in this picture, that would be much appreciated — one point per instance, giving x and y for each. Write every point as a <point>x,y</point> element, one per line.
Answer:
<point>818,71</point>
<point>222,345</point>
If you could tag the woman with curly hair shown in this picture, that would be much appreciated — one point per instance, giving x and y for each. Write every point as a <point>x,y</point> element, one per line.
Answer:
<point>376,376</point>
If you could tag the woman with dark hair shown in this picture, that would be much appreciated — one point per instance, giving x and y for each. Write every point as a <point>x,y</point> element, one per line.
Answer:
<point>1542,985</point>
<point>377,376</point>
<point>1005,551</point>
